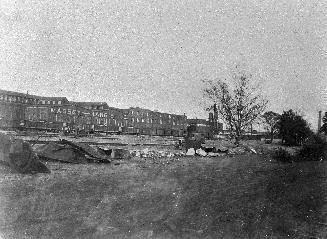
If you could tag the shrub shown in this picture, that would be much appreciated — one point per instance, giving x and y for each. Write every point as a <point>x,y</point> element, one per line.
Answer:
<point>314,149</point>
<point>283,156</point>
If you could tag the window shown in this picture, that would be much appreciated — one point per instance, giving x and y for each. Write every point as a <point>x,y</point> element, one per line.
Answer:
<point>59,102</point>
<point>88,120</point>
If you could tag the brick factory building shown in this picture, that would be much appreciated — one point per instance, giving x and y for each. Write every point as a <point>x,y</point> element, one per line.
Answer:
<point>58,113</point>
<point>208,128</point>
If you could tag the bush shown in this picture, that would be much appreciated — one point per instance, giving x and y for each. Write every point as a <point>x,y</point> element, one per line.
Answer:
<point>314,149</point>
<point>283,156</point>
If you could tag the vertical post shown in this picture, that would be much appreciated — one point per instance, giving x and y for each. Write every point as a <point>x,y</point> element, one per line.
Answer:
<point>319,120</point>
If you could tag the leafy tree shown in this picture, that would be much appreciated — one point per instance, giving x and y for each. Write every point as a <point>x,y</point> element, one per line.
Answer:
<point>271,120</point>
<point>239,103</point>
<point>323,128</point>
<point>293,129</point>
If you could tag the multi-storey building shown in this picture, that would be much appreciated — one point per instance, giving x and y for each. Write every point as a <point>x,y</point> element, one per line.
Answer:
<point>208,128</point>
<point>57,113</point>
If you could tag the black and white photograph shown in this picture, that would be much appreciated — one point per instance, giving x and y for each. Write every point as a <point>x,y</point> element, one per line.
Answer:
<point>163,119</point>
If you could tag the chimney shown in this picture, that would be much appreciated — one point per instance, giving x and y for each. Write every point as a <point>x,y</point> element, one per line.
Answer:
<point>215,112</point>
<point>319,121</point>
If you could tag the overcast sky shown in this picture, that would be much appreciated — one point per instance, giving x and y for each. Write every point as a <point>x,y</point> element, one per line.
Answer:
<point>154,54</point>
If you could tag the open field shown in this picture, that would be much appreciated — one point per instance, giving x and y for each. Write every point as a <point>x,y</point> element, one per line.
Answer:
<point>226,197</point>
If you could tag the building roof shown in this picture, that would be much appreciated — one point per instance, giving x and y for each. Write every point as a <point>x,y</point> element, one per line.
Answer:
<point>13,93</point>
<point>155,111</point>
<point>89,103</point>
<point>197,121</point>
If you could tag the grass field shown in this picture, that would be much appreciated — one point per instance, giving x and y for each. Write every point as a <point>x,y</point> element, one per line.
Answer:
<point>226,197</point>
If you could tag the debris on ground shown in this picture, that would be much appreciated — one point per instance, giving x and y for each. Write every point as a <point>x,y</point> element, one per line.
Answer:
<point>236,150</point>
<point>71,152</point>
<point>87,150</point>
<point>117,153</point>
<point>201,152</point>
<point>61,152</point>
<point>190,152</point>
<point>211,154</point>
<point>19,156</point>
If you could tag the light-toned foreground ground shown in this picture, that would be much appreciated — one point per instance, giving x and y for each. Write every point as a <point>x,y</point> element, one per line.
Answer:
<point>225,197</point>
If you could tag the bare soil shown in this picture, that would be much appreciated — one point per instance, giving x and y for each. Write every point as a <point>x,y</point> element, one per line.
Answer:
<point>246,196</point>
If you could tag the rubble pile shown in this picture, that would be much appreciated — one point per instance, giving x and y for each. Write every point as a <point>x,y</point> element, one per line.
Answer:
<point>72,152</point>
<point>203,151</point>
<point>146,153</point>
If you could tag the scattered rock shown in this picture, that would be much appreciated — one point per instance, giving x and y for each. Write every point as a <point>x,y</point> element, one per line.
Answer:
<point>221,149</point>
<point>169,155</point>
<point>211,154</point>
<point>190,152</point>
<point>137,154</point>
<point>236,150</point>
<point>201,152</point>
<point>145,151</point>
<point>253,150</point>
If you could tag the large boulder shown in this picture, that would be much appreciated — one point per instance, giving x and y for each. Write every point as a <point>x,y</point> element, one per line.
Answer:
<point>19,156</point>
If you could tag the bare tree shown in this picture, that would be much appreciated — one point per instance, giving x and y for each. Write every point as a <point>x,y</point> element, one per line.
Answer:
<point>271,120</point>
<point>239,103</point>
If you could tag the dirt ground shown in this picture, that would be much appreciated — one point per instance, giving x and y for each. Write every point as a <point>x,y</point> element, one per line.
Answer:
<point>246,196</point>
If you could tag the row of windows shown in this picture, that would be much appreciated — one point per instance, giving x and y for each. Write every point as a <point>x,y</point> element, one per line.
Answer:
<point>49,102</point>
<point>19,99</point>
<point>151,121</point>
<point>104,122</point>
<point>147,114</point>
<point>42,115</point>
<point>94,107</point>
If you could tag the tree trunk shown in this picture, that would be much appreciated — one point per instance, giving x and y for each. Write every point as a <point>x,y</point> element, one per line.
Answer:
<point>237,138</point>
<point>237,141</point>
<point>272,135</point>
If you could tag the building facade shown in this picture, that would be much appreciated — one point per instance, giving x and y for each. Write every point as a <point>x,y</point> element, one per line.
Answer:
<point>58,113</point>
